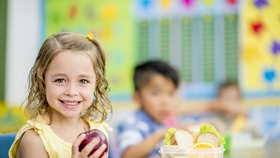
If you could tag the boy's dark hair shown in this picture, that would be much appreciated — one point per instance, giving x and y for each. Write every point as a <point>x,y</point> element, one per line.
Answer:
<point>226,84</point>
<point>144,71</point>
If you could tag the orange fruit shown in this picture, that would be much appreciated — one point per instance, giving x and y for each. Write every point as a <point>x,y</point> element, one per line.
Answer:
<point>202,149</point>
<point>202,145</point>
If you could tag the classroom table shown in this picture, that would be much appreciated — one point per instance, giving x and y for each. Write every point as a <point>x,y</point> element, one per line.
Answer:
<point>271,149</point>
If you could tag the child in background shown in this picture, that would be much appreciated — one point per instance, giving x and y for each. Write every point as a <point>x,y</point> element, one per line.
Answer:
<point>155,91</point>
<point>67,96</point>
<point>227,104</point>
<point>229,115</point>
<point>228,101</point>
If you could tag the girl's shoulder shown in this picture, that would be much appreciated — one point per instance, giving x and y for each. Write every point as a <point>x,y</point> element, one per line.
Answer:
<point>30,136</point>
<point>31,141</point>
<point>27,139</point>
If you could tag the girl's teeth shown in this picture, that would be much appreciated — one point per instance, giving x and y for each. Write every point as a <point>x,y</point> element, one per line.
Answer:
<point>71,103</point>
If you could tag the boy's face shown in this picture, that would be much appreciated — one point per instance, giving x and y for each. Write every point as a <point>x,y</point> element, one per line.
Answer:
<point>158,98</point>
<point>230,94</point>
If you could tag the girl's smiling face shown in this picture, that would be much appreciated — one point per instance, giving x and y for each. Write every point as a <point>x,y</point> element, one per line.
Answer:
<point>70,82</point>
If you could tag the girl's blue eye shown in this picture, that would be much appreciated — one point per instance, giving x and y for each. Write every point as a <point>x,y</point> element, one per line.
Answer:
<point>60,80</point>
<point>83,81</point>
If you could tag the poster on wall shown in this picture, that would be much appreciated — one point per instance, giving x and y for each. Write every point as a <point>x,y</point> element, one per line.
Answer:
<point>199,38</point>
<point>260,48</point>
<point>110,22</point>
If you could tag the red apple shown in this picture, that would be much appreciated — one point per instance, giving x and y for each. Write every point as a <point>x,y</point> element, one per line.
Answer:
<point>95,133</point>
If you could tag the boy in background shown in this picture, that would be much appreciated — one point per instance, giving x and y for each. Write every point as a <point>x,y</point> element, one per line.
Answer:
<point>229,99</point>
<point>227,104</point>
<point>229,115</point>
<point>155,91</point>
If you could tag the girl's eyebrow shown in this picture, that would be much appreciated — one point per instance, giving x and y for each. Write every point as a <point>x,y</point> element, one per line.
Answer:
<point>63,75</point>
<point>58,74</point>
<point>86,76</point>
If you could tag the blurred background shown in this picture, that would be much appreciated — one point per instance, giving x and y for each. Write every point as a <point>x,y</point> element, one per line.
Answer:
<point>208,41</point>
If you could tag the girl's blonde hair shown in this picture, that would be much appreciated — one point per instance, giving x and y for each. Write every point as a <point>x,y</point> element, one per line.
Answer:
<point>36,101</point>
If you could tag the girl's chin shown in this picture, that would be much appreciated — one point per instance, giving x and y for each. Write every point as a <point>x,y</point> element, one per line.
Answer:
<point>72,114</point>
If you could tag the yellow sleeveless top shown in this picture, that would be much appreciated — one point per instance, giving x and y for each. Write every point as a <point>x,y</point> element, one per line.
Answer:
<point>53,144</point>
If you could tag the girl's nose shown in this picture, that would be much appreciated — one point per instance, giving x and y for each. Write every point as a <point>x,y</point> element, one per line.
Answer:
<point>71,90</point>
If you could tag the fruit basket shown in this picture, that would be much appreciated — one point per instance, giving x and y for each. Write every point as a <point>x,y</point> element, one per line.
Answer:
<point>174,151</point>
<point>204,142</point>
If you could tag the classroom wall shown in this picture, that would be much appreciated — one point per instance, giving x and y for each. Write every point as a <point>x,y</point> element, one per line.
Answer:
<point>23,33</point>
<point>3,28</point>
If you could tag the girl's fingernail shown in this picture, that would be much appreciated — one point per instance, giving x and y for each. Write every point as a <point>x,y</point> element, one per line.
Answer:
<point>82,135</point>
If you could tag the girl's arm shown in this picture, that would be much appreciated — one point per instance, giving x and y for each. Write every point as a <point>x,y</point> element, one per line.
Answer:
<point>31,146</point>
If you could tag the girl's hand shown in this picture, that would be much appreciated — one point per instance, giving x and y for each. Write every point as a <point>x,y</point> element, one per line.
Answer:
<point>87,149</point>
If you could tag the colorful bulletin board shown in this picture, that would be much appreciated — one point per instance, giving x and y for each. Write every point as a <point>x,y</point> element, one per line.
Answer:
<point>111,23</point>
<point>260,47</point>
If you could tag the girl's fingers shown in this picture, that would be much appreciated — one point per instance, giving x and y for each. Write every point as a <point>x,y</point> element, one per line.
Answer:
<point>88,148</point>
<point>105,155</point>
<point>99,151</point>
<point>75,146</point>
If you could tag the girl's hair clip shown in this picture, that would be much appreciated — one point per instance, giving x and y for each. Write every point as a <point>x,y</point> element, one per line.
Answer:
<point>90,36</point>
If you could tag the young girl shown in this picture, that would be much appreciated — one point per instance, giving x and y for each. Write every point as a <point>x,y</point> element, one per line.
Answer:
<point>67,96</point>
